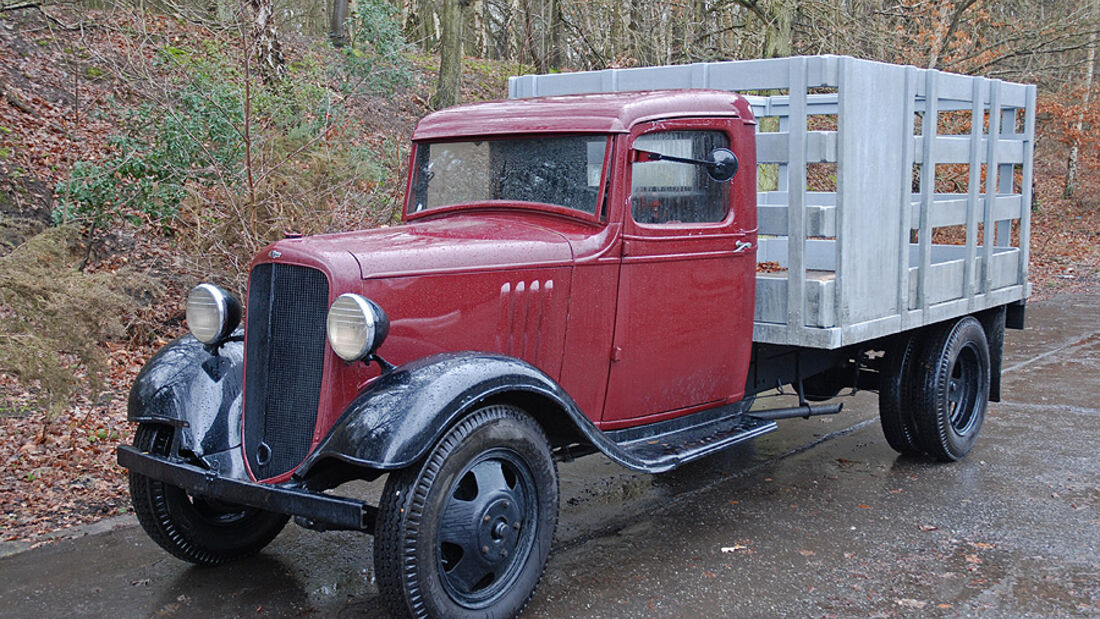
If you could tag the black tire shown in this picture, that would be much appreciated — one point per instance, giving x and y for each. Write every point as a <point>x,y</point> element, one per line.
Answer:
<point>895,397</point>
<point>193,528</point>
<point>468,531</point>
<point>951,389</point>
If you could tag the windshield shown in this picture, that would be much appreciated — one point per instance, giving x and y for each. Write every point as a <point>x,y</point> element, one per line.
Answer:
<point>561,170</point>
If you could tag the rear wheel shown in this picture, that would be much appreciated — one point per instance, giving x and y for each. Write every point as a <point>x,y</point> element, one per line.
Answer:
<point>195,528</point>
<point>951,389</point>
<point>467,532</point>
<point>895,402</point>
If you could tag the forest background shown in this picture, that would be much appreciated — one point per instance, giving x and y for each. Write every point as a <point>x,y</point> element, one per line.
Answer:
<point>148,145</point>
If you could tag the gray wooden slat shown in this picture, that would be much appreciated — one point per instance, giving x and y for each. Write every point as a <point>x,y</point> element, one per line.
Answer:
<point>956,149</point>
<point>771,147</point>
<point>1015,96</point>
<point>973,183</point>
<point>951,210</point>
<point>1005,174</point>
<point>772,219</point>
<point>1025,193</point>
<point>991,170</point>
<point>783,181</point>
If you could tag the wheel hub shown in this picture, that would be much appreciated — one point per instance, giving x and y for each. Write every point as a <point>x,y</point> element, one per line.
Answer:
<point>498,528</point>
<point>484,537</point>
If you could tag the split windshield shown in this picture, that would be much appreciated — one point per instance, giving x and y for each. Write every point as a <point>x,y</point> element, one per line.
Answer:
<point>560,170</point>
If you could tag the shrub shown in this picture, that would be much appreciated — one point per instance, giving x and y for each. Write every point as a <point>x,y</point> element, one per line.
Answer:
<point>53,317</point>
<point>374,61</point>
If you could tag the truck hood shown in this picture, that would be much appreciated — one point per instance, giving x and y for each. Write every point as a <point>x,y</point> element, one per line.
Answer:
<point>454,243</point>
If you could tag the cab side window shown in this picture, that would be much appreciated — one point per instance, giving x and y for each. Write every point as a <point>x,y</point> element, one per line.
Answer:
<point>669,192</point>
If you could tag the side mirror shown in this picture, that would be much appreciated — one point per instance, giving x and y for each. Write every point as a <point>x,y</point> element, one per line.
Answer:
<point>722,165</point>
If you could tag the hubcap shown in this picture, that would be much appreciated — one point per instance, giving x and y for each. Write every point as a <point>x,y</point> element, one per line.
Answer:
<point>487,528</point>
<point>964,390</point>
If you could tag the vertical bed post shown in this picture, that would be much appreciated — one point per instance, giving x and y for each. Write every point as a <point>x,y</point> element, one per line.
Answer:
<point>908,124</point>
<point>991,186</point>
<point>1025,189</point>
<point>929,127</point>
<point>796,192</point>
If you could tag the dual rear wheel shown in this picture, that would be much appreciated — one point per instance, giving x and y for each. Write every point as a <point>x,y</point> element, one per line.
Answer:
<point>935,390</point>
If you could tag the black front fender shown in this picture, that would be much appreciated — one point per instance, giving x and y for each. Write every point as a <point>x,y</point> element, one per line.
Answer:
<point>185,386</point>
<point>397,418</point>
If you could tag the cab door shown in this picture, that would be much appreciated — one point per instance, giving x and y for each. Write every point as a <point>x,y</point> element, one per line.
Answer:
<point>683,322</point>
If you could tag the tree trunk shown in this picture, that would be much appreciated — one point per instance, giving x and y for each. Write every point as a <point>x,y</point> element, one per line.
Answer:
<point>338,26</point>
<point>451,20</point>
<point>777,30</point>
<point>1074,149</point>
<point>557,35</point>
<point>422,22</point>
<point>265,38</point>
<point>632,43</point>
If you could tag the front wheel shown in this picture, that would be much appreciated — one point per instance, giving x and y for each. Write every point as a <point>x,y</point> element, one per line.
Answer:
<point>195,528</point>
<point>951,388</point>
<point>468,531</point>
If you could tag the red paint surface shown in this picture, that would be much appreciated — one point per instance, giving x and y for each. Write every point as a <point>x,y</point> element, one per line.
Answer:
<point>565,292</point>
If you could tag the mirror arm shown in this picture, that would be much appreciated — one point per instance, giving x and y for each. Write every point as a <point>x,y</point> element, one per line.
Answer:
<point>659,157</point>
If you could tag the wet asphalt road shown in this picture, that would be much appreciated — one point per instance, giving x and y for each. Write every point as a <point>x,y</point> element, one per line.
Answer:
<point>818,519</point>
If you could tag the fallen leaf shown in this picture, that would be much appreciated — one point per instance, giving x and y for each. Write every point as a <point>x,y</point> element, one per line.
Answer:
<point>910,603</point>
<point>806,553</point>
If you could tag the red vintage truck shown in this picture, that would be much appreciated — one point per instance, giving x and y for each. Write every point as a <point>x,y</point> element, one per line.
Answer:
<point>579,271</point>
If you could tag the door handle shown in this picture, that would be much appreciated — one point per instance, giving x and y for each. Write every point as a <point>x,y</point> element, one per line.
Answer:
<point>742,246</point>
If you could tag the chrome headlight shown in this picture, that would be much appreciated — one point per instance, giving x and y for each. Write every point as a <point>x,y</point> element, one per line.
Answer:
<point>212,313</point>
<point>356,326</point>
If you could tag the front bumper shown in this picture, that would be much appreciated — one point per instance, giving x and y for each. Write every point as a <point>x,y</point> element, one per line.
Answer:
<point>320,510</point>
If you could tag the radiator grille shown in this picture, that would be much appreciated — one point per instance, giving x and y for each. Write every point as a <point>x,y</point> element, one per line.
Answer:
<point>285,351</point>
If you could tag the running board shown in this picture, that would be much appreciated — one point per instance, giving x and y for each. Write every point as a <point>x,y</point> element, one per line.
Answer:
<point>665,445</point>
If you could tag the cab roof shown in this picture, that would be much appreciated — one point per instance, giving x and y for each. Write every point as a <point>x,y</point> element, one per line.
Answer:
<point>592,113</point>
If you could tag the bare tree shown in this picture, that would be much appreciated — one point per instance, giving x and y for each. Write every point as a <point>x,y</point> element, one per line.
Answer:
<point>451,18</point>
<point>1075,148</point>
<point>777,17</point>
<point>265,37</point>
<point>946,30</point>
